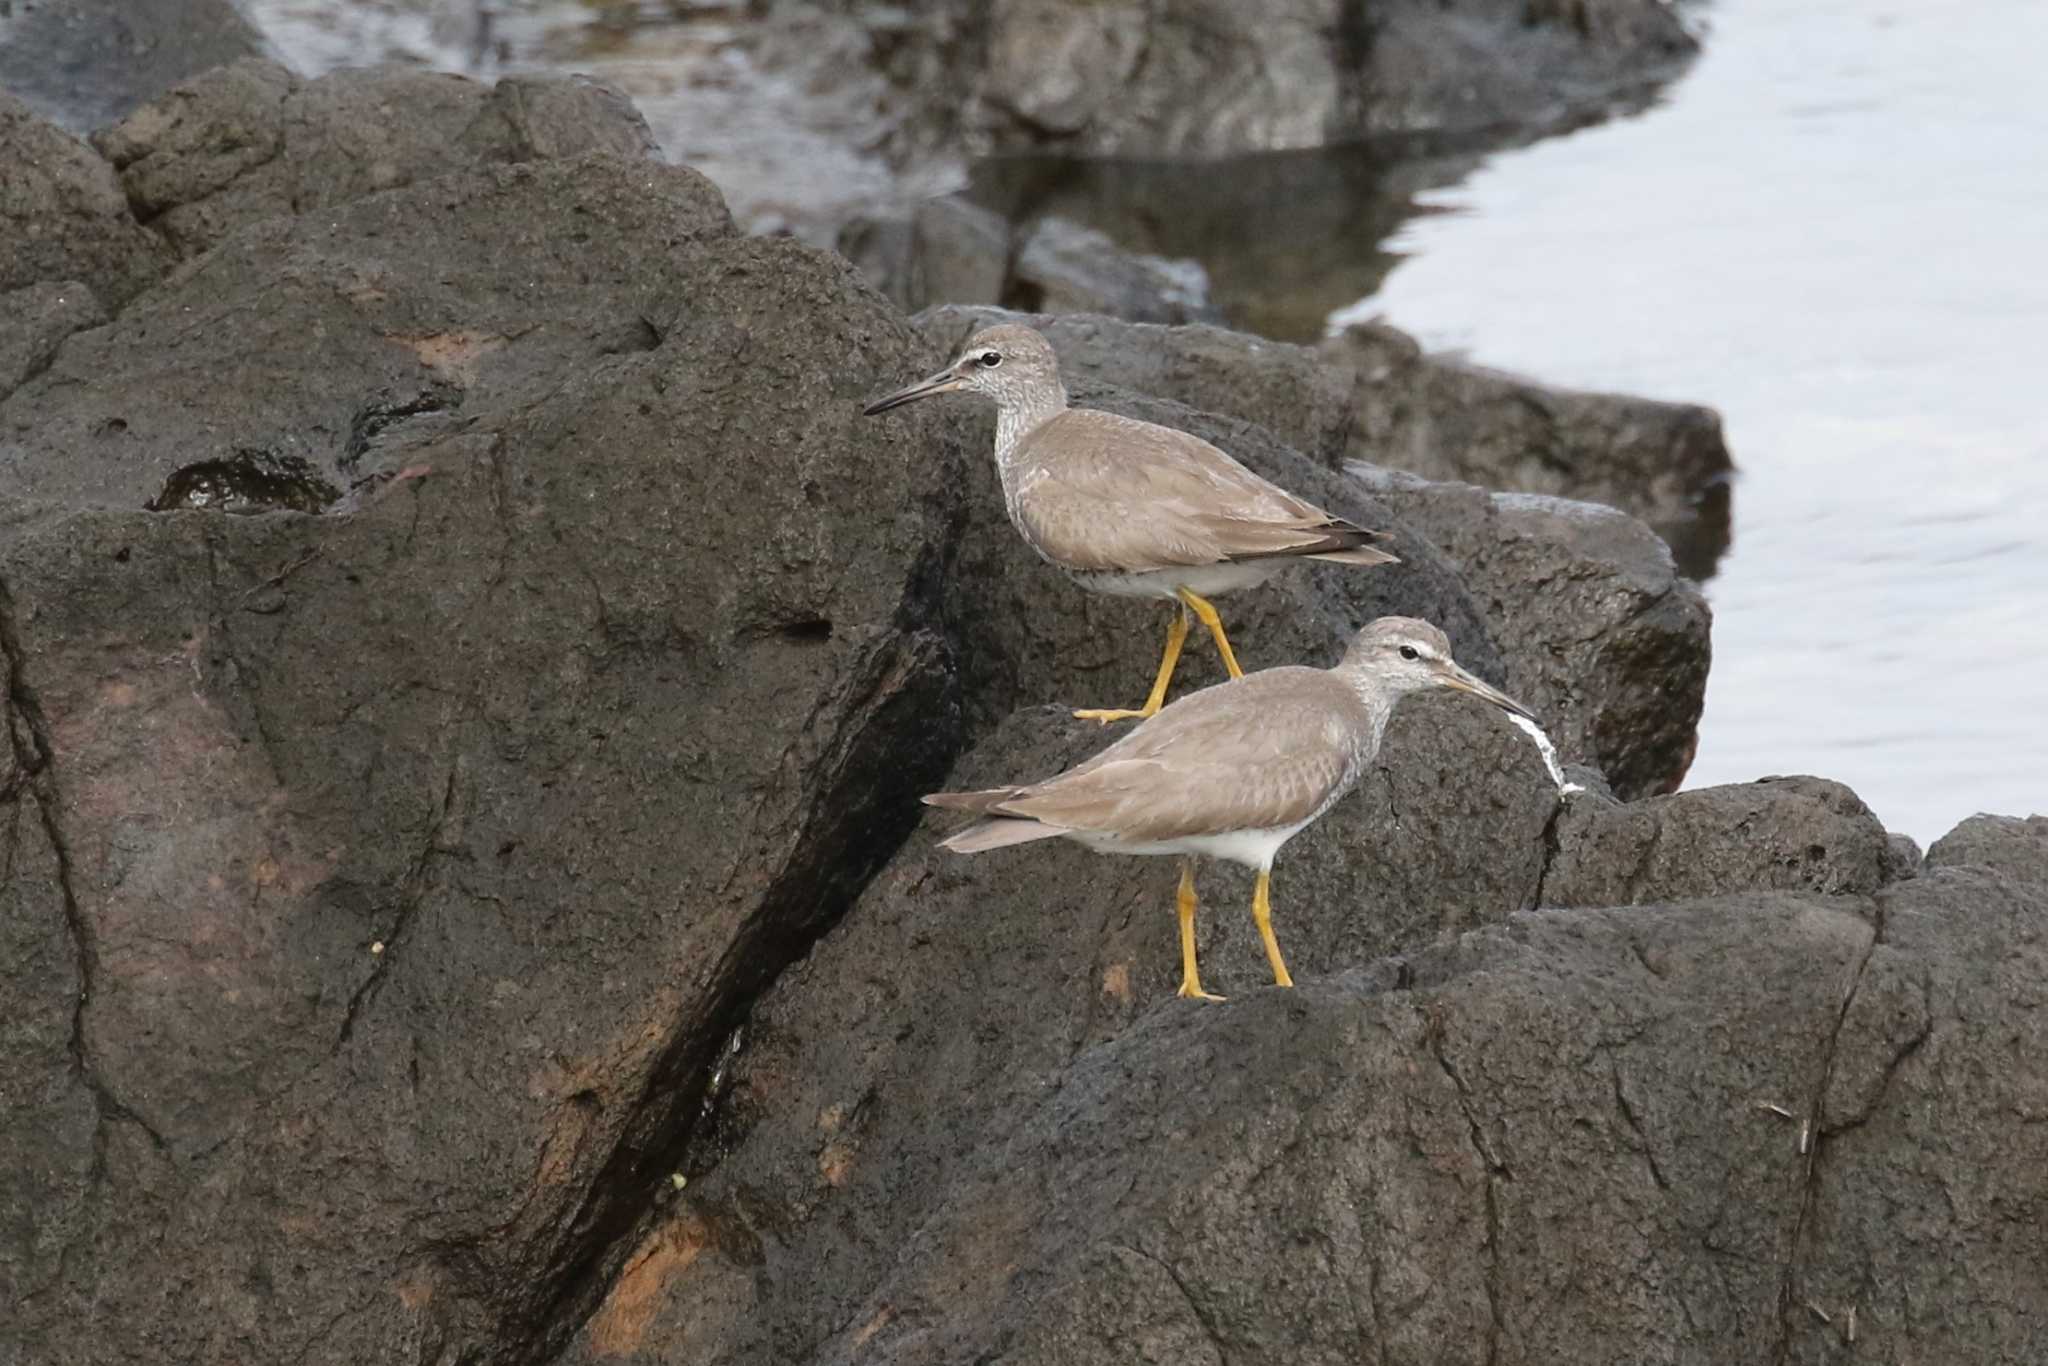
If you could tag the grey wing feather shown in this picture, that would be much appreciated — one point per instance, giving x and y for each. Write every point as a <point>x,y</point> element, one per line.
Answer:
<point>1271,749</point>
<point>1097,491</point>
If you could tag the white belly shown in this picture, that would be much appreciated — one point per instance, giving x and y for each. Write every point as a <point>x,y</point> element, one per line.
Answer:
<point>1252,848</point>
<point>1204,581</point>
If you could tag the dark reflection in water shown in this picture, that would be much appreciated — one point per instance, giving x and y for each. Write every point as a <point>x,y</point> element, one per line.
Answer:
<point>1287,237</point>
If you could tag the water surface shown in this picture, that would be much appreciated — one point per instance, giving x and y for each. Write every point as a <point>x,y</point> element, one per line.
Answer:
<point>1835,230</point>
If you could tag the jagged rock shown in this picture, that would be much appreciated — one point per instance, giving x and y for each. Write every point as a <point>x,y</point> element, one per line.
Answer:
<point>85,63</point>
<point>1212,77</point>
<point>1580,606</point>
<point>2015,847</point>
<point>1780,834</point>
<point>62,214</point>
<point>377,887</point>
<point>34,321</point>
<point>250,141</point>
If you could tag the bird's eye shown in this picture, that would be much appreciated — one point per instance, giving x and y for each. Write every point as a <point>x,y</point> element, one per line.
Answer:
<point>1410,652</point>
<point>991,359</point>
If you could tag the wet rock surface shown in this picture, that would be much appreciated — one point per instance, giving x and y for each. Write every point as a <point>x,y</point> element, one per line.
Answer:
<point>85,63</point>
<point>1212,77</point>
<point>479,911</point>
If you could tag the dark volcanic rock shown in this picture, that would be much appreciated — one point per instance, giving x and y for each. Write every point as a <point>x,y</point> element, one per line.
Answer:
<point>1581,606</point>
<point>1712,1131</point>
<point>63,217</point>
<point>34,321</point>
<point>959,990</point>
<point>378,887</point>
<point>390,310</point>
<point>1780,834</point>
<point>1062,267</point>
<point>943,251</point>
<point>86,63</point>
<point>1210,76</point>
<point>1664,462</point>
<point>947,251</point>
<point>249,141</point>
<point>2016,847</point>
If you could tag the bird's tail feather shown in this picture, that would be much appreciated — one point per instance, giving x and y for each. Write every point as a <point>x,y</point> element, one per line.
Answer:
<point>985,800</point>
<point>1363,554</point>
<point>997,834</point>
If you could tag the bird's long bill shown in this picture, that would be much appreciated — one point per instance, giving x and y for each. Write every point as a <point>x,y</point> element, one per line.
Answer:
<point>1455,677</point>
<point>945,382</point>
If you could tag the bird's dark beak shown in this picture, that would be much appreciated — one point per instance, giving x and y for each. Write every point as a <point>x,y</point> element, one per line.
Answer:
<point>945,382</point>
<point>1451,676</point>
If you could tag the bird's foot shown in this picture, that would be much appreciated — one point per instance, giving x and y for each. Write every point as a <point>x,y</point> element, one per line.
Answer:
<point>1193,991</point>
<point>1107,715</point>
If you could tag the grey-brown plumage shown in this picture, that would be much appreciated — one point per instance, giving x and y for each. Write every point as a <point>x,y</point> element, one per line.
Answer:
<point>1130,507</point>
<point>1233,771</point>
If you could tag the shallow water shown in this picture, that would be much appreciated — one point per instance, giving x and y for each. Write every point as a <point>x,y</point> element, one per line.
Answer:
<point>1835,230</point>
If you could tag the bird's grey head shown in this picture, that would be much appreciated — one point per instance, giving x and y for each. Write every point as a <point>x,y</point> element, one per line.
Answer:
<point>1010,363</point>
<point>1397,655</point>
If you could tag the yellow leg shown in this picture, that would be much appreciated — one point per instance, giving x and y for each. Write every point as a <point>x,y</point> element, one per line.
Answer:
<point>1190,980</point>
<point>1262,913</point>
<point>1176,636</point>
<point>1201,608</point>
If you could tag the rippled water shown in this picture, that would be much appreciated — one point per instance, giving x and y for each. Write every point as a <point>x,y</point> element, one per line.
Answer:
<point>1835,230</point>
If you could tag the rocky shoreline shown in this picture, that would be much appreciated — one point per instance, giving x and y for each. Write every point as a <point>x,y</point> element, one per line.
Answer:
<point>476,909</point>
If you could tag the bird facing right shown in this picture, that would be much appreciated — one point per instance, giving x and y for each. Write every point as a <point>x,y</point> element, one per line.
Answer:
<point>1233,771</point>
